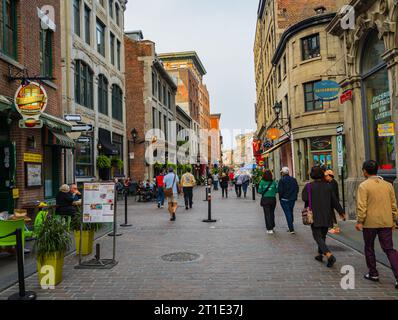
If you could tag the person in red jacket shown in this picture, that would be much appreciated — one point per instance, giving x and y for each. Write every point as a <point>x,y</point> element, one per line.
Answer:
<point>160,186</point>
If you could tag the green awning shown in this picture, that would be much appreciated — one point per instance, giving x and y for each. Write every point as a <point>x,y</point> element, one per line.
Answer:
<point>275,147</point>
<point>62,140</point>
<point>55,123</point>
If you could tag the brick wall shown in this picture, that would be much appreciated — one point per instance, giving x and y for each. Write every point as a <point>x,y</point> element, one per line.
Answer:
<point>135,106</point>
<point>28,55</point>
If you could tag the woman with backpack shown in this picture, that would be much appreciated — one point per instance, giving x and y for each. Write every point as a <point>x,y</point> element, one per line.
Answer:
<point>268,188</point>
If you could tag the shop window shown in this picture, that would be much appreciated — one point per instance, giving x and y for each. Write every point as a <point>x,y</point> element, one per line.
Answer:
<point>321,152</point>
<point>310,47</point>
<point>117,103</point>
<point>100,38</point>
<point>46,48</point>
<point>311,103</point>
<point>117,141</point>
<point>8,27</point>
<point>76,16</point>
<point>84,158</point>
<point>379,125</point>
<point>83,84</point>
<point>102,94</point>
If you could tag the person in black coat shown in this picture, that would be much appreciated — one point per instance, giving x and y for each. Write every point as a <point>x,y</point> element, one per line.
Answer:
<point>329,177</point>
<point>323,202</point>
<point>64,202</point>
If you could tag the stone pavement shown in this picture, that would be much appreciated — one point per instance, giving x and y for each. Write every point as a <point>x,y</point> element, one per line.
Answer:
<point>237,260</point>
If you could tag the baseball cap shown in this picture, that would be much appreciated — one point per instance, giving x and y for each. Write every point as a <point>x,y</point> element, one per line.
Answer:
<point>285,170</point>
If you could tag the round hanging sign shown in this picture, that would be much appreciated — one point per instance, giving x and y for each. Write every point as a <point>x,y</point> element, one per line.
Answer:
<point>327,90</point>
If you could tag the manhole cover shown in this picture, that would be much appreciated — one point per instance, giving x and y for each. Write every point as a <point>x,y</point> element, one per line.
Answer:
<point>181,257</point>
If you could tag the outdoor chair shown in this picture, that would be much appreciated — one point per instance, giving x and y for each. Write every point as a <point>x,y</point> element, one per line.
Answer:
<point>9,226</point>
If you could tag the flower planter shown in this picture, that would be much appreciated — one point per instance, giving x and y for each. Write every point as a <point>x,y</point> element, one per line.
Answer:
<point>51,274</point>
<point>87,242</point>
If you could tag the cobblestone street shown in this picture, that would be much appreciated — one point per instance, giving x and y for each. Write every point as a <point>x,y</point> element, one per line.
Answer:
<point>236,259</point>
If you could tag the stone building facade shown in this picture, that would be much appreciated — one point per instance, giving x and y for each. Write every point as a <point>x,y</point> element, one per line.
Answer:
<point>151,102</point>
<point>93,82</point>
<point>369,59</point>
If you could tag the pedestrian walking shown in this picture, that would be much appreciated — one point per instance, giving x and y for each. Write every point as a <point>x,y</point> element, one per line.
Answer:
<point>231,176</point>
<point>377,216</point>
<point>329,177</point>
<point>215,179</point>
<point>160,186</point>
<point>224,184</point>
<point>245,183</point>
<point>188,182</point>
<point>268,190</point>
<point>320,198</point>
<point>288,191</point>
<point>238,185</point>
<point>171,191</point>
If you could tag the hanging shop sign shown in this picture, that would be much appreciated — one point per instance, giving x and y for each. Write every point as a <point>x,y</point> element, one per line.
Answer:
<point>30,101</point>
<point>257,147</point>
<point>346,96</point>
<point>273,133</point>
<point>327,90</point>
<point>386,129</point>
<point>32,157</point>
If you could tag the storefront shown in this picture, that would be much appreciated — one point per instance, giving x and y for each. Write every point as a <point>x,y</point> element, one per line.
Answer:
<point>379,129</point>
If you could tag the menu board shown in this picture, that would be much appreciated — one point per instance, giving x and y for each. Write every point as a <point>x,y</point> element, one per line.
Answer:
<point>98,202</point>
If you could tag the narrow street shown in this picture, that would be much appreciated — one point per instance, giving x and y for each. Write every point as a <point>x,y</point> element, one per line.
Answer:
<point>236,259</point>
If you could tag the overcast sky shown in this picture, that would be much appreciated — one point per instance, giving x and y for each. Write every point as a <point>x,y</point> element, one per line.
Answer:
<point>222,33</point>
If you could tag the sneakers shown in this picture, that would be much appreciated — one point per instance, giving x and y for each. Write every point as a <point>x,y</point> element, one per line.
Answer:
<point>173,218</point>
<point>158,205</point>
<point>331,261</point>
<point>292,232</point>
<point>319,258</point>
<point>270,231</point>
<point>373,278</point>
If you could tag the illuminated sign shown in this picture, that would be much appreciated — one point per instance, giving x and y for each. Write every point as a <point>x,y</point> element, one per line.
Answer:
<point>30,101</point>
<point>386,129</point>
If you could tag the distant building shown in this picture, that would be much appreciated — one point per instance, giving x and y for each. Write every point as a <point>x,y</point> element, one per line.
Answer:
<point>215,153</point>
<point>150,99</point>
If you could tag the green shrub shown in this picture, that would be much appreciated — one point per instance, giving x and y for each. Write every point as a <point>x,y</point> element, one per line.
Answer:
<point>103,162</point>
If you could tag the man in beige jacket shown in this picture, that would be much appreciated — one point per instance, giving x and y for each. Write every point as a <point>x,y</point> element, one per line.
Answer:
<point>188,182</point>
<point>376,216</point>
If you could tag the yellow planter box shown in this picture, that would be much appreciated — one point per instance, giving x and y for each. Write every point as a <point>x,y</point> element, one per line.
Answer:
<point>87,242</point>
<point>50,270</point>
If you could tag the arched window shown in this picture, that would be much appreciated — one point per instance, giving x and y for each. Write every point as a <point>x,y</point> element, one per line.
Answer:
<point>117,103</point>
<point>84,84</point>
<point>379,126</point>
<point>103,94</point>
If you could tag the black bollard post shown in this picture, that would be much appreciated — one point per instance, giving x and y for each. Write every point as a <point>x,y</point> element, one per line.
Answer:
<point>209,219</point>
<point>125,224</point>
<point>254,192</point>
<point>97,252</point>
<point>207,191</point>
<point>22,294</point>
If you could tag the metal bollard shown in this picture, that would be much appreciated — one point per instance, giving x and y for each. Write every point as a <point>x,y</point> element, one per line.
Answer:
<point>254,192</point>
<point>209,219</point>
<point>125,224</point>
<point>97,252</point>
<point>22,294</point>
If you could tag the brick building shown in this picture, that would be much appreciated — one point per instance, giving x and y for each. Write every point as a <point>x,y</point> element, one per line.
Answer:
<point>151,103</point>
<point>30,48</point>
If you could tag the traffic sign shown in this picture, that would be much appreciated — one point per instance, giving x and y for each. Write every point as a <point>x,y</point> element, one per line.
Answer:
<point>73,117</point>
<point>82,128</point>
<point>83,140</point>
<point>340,151</point>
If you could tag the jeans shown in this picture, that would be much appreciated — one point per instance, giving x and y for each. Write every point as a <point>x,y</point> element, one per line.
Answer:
<point>188,196</point>
<point>288,209</point>
<point>244,187</point>
<point>224,191</point>
<point>319,234</point>
<point>238,190</point>
<point>215,184</point>
<point>269,205</point>
<point>386,243</point>
<point>160,197</point>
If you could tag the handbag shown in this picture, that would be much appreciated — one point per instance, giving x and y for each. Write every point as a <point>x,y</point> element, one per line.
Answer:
<point>168,192</point>
<point>266,190</point>
<point>307,214</point>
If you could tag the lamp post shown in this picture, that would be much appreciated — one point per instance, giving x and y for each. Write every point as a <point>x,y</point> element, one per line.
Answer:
<point>134,136</point>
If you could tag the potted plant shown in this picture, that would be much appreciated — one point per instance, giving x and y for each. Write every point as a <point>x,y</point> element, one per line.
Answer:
<point>52,242</point>
<point>116,163</point>
<point>88,232</point>
<point>104,165</point>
